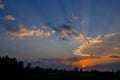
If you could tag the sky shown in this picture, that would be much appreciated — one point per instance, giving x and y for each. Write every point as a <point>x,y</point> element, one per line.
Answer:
<point>62,33</point>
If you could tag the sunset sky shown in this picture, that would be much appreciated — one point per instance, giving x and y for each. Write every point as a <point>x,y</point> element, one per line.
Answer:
<point>62,33</point>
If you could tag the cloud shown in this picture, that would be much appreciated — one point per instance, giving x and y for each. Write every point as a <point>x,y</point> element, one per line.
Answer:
<point>86,44</point>
<point>22,32</point>
<point>2,6</point>
<point>75,59</point>
<point>66,30</point>
<point>51,59</point>
<point>84,21</point>
<point>99,44</point>
<point>46,25</point>
<point>9,17</point>
<point>113,56</point>
<point>101,50</point>
<point>66,27</point>
<point>93,61</point>
<point>47,34</point>
<point>37,33</point>
<point>53,32</point>
<point>106,67</point>
<point>59,66</point>
<point>86,63</point>
<point>74,16</point>
<point>80,36</point>
<point>53,63</point>
<point>61,37</point>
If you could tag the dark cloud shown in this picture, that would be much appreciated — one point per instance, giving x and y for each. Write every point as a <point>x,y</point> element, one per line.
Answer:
<point>74,59</point>
<point>50,59</point>
<point>66,26</point>
<point>61,37</point>
<point>49,25</point>
<point>106,67</point>
<point>52,63</point>
<point>61,66</point>
<point>10,28</point>
<point>66,30</point>
<point>114,56</point>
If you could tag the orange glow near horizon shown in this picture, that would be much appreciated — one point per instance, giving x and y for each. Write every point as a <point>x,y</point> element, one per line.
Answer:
<point>91,61</point>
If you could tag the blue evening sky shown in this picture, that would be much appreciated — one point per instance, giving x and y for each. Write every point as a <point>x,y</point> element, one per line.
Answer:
<point>88,17</point>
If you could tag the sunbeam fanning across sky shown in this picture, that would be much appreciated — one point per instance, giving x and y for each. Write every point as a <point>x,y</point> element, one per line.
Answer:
<point>51,33</point>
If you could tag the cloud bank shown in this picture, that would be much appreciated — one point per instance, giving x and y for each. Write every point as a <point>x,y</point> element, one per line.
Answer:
<point>60,32</point>
<point>9,17</point>
<point>102,44</point>
<point>101,50</point>
<point>23,32</point>
<point>65,30</point>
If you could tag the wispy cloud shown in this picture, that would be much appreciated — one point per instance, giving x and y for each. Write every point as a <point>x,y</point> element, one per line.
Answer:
<point>74,16</point>
<point>1,5</point>
<point>9,17</point>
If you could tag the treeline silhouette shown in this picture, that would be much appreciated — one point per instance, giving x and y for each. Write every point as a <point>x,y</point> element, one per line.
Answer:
<point>11,69</point>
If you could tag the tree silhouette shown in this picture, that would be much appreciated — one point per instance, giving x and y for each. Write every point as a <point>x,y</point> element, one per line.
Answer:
<point>76,69</point>
<point>28,68</point>
<point>12,69</point>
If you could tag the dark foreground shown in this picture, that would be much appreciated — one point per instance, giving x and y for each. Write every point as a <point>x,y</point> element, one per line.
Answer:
<point>11,69</point>
<point>61,76</point>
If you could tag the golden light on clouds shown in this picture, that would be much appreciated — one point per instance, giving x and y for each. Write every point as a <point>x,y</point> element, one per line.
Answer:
<point>77,52</point>
<point>104,49</point>
<point>91,61</point>
<point>86,44</point>
<point>116,48</point>
<point>23,32</point>
<point>80,36</point>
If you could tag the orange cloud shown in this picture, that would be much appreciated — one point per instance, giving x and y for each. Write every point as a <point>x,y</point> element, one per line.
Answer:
<point>103,49</point>
<point>80,36</point>
<point>103,44</point>
<point>39,33</point>
<point>116,48</point>
<point>23,32</point>
<point>92,61</point>
<point>86,44</point>
<point>47,34</point>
